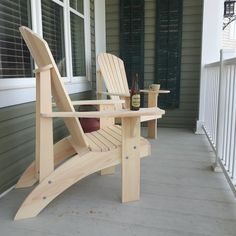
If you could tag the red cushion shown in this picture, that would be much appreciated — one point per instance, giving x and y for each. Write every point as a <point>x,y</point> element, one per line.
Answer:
<point>90,124</point>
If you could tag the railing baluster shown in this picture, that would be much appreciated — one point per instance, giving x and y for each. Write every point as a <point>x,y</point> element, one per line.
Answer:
<point>232,125</point>
<point>214,105</point>
<point>220,114</point>
<point>233,176</point>
<point>225,120</point>
<point>207,101</point>
<point>228,119</point>
<point>209,106</point>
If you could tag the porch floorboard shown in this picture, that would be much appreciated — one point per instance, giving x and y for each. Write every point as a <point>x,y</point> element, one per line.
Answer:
<point>180,196</point>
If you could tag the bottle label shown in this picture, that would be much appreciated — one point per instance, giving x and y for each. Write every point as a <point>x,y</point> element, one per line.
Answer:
<point>135,100</point>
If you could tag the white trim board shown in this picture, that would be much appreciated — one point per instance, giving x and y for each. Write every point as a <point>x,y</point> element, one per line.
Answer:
<point>23,95</point>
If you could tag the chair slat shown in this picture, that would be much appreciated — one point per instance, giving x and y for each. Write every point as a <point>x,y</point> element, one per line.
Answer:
<point>104,140</point>
<point>117,129</point>
<point>110,137</point>
<point>111,132</point>
<point>116,63</point>
<point>97,141</point>
<point>43,57</point>
<point>114,76</point>
<point>93,146</point>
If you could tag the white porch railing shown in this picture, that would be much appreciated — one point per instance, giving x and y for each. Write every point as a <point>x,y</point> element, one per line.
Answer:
<point>219,114</point>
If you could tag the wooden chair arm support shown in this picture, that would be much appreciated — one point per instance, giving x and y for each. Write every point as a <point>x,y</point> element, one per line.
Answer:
<point>155,92</point>
<point>44,68</point>
<point>101,114</point>
<point>97,102</point>
<point>114,94</point>
<point>128,95</point>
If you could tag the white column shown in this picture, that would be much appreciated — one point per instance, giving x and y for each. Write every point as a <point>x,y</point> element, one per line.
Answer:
<point>211,44</point>
<point>100,33</point>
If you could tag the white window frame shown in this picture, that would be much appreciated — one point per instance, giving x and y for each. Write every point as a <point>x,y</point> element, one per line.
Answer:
<point>21,90</point>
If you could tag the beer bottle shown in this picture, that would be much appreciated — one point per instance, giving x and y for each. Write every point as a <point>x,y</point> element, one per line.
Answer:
<point>135,94</point>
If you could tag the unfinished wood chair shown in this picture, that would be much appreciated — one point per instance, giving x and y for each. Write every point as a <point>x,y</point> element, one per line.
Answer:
<point>57,167</point>
<point>112,71</point>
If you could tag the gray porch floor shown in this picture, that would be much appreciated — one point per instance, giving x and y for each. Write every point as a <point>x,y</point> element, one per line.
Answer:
<point>180,195</point>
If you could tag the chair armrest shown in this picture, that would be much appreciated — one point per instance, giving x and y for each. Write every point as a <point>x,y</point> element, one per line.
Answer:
<point>97,102</point>
<point>128,95</point>
<point>156,92</point>
<point>114,94</point>
<point>100,114</point>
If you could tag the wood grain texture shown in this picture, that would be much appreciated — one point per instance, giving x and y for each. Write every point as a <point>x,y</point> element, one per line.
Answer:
<point>113,72</point>
<point>118,113</point>
<point>153,102</point>
<point>44,139</point>
<point>130,159</point>
<point>53,181</point>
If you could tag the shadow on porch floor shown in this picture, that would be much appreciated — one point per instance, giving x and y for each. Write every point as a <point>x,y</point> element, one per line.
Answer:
<point>180,196</point>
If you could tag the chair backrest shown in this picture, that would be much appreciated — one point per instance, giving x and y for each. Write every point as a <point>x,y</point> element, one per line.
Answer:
<point>113,72</point>
<point>42,55</point>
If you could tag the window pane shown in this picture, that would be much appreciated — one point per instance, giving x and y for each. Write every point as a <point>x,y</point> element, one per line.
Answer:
<point>53,32</point>
<point>78,45</point>
<point>15,60</point>
<point>78,5</point>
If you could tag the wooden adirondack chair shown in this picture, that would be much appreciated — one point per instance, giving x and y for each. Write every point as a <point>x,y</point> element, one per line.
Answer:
<point>113,73</point>
<point>57,167</point>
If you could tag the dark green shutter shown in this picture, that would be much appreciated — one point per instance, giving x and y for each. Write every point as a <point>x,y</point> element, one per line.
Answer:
<point>132,38</point>
<point>168,50</point>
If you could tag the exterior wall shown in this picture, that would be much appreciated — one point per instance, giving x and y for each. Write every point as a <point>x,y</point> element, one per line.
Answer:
<point>112,26</point>
<point>17,129</point>
<point>229,42</point>
<point>17,139</point>
<point>187,113</point>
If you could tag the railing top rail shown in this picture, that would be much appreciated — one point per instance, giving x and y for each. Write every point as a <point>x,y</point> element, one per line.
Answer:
<point>231,61</point>
<point>213,64</point>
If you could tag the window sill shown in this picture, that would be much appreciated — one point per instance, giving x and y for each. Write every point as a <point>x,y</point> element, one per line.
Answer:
<point>24,91</point>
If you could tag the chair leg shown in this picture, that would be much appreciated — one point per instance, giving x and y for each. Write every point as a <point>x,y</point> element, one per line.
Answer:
<point>152,124</point>
<point>62,150</point>
<point>108,171</point>
<point>63,177</point>
<point>152,129</point>
<point>130,159</point>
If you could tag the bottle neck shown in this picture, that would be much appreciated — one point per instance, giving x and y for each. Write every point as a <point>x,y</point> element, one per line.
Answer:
<point>135,85</point>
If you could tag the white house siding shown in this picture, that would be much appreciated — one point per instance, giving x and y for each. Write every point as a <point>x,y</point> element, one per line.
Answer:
<point>17,139</point>
<point>229,36</point>
<point>17,130</point>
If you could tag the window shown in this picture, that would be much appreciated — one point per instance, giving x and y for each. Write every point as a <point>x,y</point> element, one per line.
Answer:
<point>77,43</point>
<point>15,61</point>
<point>53,32</point>
<point>64,24</point>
